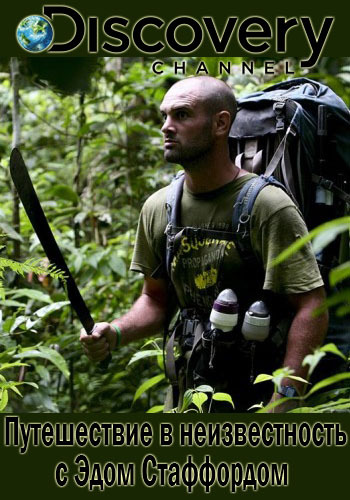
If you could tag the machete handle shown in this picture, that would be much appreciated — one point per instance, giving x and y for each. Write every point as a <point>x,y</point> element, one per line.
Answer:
<point>103,365</point>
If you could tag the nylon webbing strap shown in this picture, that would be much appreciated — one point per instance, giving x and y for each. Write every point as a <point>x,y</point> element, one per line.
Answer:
<point>242,211</point>
<point>197,338</point>
<point>174,199</point>
<point>287,172</point>
<point>241,217</point>
<point>283,146</point>
<point>173,206</point>
<point>277,157</point>
<point>170,358</point>
<point>299,176</point>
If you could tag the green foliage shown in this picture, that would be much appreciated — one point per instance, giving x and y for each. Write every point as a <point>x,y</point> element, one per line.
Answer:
<point>200,400</point>
<point>45,353</point>
<point>322,236</point>
<point>151,382</point>
<point>31,265</point>
<point>312,361</point>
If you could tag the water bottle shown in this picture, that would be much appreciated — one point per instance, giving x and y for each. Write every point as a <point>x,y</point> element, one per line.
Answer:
<point>224,314</point>
<point>256,324</point>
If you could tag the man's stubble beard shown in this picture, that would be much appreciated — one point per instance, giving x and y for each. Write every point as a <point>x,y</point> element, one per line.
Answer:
<point>189,157</point>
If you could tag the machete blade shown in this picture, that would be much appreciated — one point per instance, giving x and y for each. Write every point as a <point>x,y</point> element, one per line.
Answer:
<point>31,204</point>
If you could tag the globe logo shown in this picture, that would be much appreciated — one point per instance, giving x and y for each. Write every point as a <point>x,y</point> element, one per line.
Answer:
<point>34,33</point>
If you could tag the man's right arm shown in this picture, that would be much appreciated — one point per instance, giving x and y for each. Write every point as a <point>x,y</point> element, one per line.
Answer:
<point>145,318</point>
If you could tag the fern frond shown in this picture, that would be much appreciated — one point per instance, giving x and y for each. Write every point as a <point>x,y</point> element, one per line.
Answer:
<point>29,266</point>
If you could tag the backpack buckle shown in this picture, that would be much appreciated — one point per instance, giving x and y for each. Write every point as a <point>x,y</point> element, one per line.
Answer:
<point>278,108</point>
<point>168,230</point>
<point>243,221</point>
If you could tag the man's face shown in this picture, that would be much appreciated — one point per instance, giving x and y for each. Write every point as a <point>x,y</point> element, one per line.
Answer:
<point>187,129</point>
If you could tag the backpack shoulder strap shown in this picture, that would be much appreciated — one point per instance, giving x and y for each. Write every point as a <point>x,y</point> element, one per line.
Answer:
<point>173,202</point>
<point>242,211</point>
<point>173,209</point>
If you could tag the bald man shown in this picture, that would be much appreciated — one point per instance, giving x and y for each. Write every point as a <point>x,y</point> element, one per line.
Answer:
<point>198,113</point>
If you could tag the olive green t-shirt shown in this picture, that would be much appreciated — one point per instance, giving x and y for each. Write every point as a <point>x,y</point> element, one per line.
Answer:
<point>202,267</point>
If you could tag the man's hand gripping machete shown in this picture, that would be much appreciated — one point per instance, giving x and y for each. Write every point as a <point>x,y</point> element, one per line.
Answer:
<point>31,204</point>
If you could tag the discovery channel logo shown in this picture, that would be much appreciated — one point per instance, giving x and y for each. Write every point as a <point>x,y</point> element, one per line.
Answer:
<point>151,34</point>
<point>35,34</point>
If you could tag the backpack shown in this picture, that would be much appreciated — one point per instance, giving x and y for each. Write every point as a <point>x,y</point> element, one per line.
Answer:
<point>299,132</point>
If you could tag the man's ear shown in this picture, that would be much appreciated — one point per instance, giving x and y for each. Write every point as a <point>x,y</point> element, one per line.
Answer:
<point>222,123</point>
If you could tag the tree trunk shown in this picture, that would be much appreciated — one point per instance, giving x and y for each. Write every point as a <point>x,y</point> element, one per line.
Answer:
<point>16,141</point>
<point>77,180</point>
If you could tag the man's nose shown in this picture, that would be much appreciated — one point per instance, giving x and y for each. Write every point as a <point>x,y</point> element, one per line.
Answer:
<point>168,125</point>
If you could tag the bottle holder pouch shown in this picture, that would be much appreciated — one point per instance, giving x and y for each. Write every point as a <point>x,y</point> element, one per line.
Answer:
<point>212,360</point>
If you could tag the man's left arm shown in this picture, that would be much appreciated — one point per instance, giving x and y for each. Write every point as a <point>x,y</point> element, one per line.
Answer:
<point>306,332</point>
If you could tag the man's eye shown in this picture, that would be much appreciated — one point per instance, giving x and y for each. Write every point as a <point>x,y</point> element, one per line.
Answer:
<point>182,114</point>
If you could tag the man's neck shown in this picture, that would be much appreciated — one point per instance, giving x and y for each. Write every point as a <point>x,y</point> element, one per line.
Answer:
<point>210,174</point>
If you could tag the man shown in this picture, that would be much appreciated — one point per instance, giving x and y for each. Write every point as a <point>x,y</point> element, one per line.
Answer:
<point>198,113</point>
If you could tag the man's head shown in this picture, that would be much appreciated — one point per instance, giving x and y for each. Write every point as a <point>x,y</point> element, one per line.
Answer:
<point>198,112</point>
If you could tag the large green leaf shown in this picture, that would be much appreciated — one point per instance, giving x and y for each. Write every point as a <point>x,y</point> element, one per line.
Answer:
<point>187,400</point>
<point>263,378</point>
<point>327,382</point>
<point>143,354</point>
<point>312,360</point>
<point>13,385</point>
<point>198,399</point>
<point>333,349</point>
<point>339,273</point>
<point>156,409</point>
<point>147,385</point>
<point>153,342</point>
<point>18,321</point>
<point>65,193</point>
<point>329,232</point>
<point>4,397</point>
<point>117,265</point>
<point>205,388</point>
<point>12,303</point>
<point>9,231</point>
<point>323,235</point>
<point>6,366</point>
<point>47,353</point>
<point>222,396</point>
<point>56,306</point>
<point>277,377</point>
<point>328,407</point>
<point>337,298</point>
<point>32,294</point>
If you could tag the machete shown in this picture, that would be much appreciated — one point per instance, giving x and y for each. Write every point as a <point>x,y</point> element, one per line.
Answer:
<point>31,204</point>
